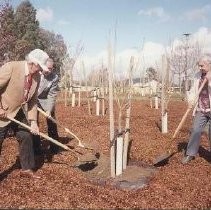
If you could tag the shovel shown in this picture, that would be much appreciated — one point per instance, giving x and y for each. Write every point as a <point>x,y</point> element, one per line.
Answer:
<point>75,153</point>
<point>43,135</point>
<point>162,159</point>
<point>66,129</point>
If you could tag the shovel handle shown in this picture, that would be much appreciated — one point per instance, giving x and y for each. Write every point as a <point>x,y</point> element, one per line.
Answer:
<point>189,109</point>
<point>42,112</point>
<point>181,122</point>
<point>47,116</point>
<point>41,134</point>
<point>66,129</point>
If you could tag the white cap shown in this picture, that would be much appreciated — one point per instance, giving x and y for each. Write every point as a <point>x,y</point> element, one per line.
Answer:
<point>40,57</point>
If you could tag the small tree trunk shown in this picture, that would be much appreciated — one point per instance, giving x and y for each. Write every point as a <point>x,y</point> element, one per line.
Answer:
<point>165,123</point>
<point>106,90</point>
<point>151,106</point>
<point>94,95</point>
<point>88,99</point>
<point>65,96</point>
<point>79,97</point>
<point>88,102</point>
<point>70,92</point>
<point>127,121</point>
<point>103,101</point>
<point>126,139</point>
<point>73,99</point>
<point>164,115</point>
<point>98,107</point>
<point>142,92</point>
<point>111,111</point>
<point>156,102</point>
<point>119,150</point>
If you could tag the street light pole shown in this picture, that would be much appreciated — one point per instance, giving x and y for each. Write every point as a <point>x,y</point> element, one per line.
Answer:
<point>187,35</point>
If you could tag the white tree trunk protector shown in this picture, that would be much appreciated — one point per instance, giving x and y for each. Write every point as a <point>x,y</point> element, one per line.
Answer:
<point>119,155</point>
<point>165,123</point>
<point>73,100</point>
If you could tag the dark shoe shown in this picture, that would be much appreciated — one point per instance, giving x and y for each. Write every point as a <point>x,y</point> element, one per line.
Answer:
<point>187,159</point>
<point>38,152</point>
<point>54,150</point>
<point>29,173</point>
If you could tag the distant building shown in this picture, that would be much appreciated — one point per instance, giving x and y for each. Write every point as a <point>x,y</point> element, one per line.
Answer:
<point>148,88</point>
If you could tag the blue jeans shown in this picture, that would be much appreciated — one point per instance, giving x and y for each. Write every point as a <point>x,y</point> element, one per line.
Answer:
<point>200,121</point>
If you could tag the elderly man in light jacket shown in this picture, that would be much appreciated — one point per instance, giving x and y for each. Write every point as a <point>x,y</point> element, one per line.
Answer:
<point>202,109</point>
<point>47,94</point>
<point>19,81</point>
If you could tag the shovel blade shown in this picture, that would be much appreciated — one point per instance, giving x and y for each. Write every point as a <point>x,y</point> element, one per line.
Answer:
<point>162,159</point>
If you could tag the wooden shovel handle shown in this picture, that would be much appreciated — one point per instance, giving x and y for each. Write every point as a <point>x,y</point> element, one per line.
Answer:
<point>80,144</point>
<point>45,114</point>
<point>41,134</point>
<point>189,109</point>
<point>42,112</point>
<point>182,122</point>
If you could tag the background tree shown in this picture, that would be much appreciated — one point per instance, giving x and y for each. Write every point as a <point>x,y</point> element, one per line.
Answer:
<point>27,29</point>
<point>151,73</point>
<point>54,45</point>
<point>7,33</point>
<point>182,60</point>
<point>20,33</point>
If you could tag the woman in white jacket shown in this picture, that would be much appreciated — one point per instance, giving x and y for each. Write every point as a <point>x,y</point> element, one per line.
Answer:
<point>202,110</point>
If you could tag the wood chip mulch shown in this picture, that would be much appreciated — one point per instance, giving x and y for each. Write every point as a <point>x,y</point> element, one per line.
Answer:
<point>63,185</point>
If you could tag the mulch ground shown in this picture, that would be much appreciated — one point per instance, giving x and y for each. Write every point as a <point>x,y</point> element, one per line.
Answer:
<point>65,184</point>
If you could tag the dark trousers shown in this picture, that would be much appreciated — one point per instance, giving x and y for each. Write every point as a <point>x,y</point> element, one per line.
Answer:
<point>24,138</point>
<point>52,132</point>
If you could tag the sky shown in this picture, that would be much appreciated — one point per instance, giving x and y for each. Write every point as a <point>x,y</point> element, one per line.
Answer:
<point>143,27</point>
